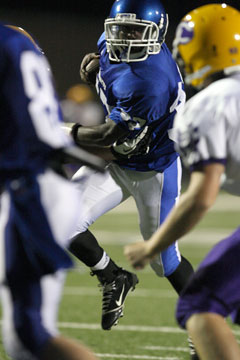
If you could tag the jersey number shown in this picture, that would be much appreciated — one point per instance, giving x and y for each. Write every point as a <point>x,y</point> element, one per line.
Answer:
<point>180,100</point>
<point>43,107</point>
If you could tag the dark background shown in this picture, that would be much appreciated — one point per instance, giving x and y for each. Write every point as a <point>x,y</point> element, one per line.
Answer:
<point>66,30</point>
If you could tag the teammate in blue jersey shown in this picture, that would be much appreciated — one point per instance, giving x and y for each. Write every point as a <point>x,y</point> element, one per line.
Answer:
<point>38,205</point>
<point>141,89</point>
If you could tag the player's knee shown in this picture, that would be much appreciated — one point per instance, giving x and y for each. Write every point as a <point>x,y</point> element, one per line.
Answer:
<point>79,230</point>
<point>194,323</point>
<point>198,323</point>
<point>82,226</point>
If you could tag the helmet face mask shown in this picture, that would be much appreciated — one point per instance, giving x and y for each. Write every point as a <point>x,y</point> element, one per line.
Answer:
<point>133,36</point>
<point>129,39</point>
<point>207,42</point>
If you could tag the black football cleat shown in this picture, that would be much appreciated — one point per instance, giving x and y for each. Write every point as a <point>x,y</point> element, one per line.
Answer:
<point>114,296</point>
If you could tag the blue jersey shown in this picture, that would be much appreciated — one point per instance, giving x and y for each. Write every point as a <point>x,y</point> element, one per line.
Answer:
<point>142,97</point>
<point>29,112</point>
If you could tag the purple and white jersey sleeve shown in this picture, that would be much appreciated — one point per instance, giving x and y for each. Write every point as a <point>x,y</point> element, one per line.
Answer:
<point>208,130</point>
<point>200,132</point>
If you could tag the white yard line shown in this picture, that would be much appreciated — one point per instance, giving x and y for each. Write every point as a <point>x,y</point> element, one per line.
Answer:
<point>224,202</point>
<point>143,293</point>
<point>166,348</point>
<point>136,328</point>
<point>131,356</point>
<point>199,237</point>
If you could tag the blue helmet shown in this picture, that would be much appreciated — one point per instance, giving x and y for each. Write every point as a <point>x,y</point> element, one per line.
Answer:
<point>135,29</point>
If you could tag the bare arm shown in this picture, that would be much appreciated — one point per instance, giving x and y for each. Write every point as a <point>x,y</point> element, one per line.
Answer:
<point>97,139</point>
<point>99,135</point>
<point>192,206</point>
<point>103,152</point>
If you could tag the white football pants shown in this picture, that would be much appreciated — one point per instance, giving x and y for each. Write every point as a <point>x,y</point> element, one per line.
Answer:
<point>154,193</point>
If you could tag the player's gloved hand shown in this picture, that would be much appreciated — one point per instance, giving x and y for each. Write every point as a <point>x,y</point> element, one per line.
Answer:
<point>132,147</point>
<point>89,68</point>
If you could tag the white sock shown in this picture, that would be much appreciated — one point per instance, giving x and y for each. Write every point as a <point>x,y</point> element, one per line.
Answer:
<point>102,264</point>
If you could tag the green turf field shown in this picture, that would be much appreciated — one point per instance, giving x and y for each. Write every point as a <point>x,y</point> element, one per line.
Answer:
<point>148,329</point>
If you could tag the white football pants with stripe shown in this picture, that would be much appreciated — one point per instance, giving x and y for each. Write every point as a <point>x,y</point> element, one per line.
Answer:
<point>154,194</point>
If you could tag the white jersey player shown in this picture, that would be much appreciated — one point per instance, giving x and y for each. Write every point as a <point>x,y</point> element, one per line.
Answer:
<point>213,134</point>
<point>207,44</point>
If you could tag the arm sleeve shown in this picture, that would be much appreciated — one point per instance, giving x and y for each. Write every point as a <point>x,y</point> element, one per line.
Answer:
<point>201,136</point>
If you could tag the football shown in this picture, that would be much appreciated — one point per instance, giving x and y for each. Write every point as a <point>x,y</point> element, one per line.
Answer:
<point>92,70</point>
<point>93,66</point>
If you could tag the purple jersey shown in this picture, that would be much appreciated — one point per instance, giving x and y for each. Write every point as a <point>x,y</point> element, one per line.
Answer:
<point>215,285</point>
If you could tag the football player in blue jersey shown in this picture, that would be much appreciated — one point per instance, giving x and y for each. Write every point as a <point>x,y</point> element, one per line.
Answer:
<point>141,90</point>
<point>38,206</point>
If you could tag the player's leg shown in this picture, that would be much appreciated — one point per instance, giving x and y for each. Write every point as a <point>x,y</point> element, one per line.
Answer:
<point>212,337</point>
<point>51,289</point>
<point>100,193</point>
<point>24,335</point>
<point>177,274</point>
<point>209,297</point>
<point>62,348</point>
<point>155,198</point>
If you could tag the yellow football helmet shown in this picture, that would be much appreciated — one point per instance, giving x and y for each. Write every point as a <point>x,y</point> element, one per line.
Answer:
<point>207,41</point>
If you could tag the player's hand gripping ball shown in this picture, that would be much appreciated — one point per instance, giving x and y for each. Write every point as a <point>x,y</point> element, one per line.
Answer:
<point>89,68</point>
